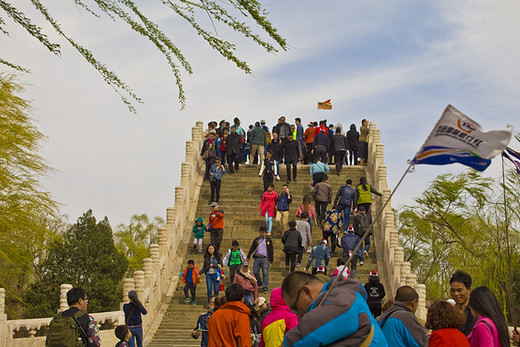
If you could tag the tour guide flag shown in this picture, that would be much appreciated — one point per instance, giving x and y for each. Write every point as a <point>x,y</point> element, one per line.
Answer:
<point>326,105</point>
<point>457,138</point>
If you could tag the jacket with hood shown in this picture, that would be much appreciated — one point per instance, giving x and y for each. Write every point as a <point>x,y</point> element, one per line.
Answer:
<point>321,256</point>
<point>229,326</point>
<point>194,275</point>
<point>401,327</point>
<point>344,319</point>
<point>199,230</point>
<point>280,320</point>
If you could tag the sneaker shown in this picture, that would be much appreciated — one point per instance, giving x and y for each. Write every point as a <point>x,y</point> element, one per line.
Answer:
<point>366,254</point>
<point>265,291</point>
<point>298,265</point>
<point>194,246</point>
<point>200,250</point>
<point>269,233</point>
<point>193,303</point>
<point>294,179</point>
<point>361,263</point>
<point>277,178</point>
<point>187,300</point>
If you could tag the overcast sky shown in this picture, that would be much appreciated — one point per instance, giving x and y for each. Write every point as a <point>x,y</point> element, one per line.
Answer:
<point>395,63</point>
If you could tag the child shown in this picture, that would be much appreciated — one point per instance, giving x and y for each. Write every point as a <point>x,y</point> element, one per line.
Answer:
<point>198,234</point>
<point>190,277</point>
<point>123,334</point>
<point>234,259</point>
<point>340,265</point>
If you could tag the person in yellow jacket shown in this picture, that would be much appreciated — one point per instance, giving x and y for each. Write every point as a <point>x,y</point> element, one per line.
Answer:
<point>363,195</point>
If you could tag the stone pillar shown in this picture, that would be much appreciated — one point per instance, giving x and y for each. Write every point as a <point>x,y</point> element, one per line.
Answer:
<point>148,273</point>
<point>170,215</point>
<point>64,288</point>
<point>128,285</point>
<point>156,266</point>
<point>421,311</point>
<point>179,200</point>
<point>186,178</point>
<point>139,283</point>
<point>3,319</point>
<point>381,181</point>
<point>406,269</point>
<point>163,241</point>
<point>191,153</point>
<point>379,152</point>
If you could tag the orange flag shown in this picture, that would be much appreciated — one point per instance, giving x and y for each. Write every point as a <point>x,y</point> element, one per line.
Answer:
<point>326,105</point>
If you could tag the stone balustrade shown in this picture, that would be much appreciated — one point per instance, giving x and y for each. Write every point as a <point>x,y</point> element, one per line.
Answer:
<point>158,277</point>
<point>394,271</point>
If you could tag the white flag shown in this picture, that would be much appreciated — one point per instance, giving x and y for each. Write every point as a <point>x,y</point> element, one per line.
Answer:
<point>458,139</point>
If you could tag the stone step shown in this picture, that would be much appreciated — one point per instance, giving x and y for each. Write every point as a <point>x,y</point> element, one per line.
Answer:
<point>241,222</point>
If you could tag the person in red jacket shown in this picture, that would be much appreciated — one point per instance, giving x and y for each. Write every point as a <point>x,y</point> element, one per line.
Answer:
<point>229,325</point>
<point>216,225</point>
<point>444,319</point>
<point>190,278</point>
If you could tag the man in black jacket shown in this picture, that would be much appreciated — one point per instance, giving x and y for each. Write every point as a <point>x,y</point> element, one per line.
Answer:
<point>263,254</point>
<point>233,145</point>
<point>291,151</point>
<point>292,242</point>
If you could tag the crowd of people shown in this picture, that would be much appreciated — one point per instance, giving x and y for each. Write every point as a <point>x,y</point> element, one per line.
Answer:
<point>286,143</point>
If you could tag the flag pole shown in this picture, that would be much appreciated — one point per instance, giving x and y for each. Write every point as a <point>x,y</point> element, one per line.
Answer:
<point>509,287</point>
<point>360,243</point>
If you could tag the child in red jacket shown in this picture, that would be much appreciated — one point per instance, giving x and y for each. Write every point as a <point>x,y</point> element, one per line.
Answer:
<point>190,277</point>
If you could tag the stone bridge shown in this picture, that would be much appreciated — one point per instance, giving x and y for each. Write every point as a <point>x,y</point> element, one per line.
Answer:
<point>169,321</point>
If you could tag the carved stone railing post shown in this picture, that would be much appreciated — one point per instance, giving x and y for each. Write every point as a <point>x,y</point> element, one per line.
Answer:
<point>3,319</point>
<point>139,283</point>
<point>64,288</point>
<point>155,255</point>
<point>128,285</point>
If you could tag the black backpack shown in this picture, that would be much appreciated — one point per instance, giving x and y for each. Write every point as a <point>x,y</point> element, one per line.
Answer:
<point>66,331</point>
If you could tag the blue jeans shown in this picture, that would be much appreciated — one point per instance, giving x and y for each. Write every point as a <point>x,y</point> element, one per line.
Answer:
<point>366,248</point>
<point>212,283</point>
<point>346,215</point>
<point>137,334</point>
<point>268,222</point>
<point>264,264</point>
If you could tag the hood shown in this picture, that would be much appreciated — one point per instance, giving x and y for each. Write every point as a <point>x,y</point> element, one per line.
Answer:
<point>238,306</point>
<point>199,220</point>
<point>277,302</point>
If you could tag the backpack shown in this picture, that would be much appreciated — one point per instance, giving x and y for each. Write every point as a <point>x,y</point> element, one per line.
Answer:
<point>364,224</point>
<point>66,331</point>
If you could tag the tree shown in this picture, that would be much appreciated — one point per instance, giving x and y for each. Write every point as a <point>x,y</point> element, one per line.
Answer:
<point>128,12</point>
<point>85,257</point>
<point>25,208</point>
<point>135,238</point>
<point>457,223</point>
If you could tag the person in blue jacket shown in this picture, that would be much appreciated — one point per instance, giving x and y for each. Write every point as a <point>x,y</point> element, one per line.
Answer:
<point>399,324</point>
<point>202,324</point>
<point>344,319</point>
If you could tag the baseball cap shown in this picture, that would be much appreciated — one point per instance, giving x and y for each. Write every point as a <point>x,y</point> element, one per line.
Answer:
<point>324,241</point>
<point>213,204</point>
<point>374,273</point>
<point>321,268</point>
<point>245,263</point>
<point>351,228</point>
<point>311,124</point>
<point>257,123</point>
<point>262,121</point>
<point>261,301</point>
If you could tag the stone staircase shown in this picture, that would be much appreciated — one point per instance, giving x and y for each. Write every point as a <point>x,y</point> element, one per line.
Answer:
<point>240,198</point>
